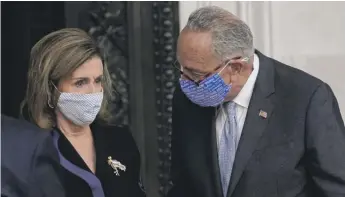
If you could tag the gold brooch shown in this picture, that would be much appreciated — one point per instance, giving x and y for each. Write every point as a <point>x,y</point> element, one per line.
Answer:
<point>116,165</point>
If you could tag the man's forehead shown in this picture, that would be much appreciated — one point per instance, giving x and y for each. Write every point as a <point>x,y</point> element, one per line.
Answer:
<point>194,47</point>
<point>195,40</point>
<point>199,57</point>
<point>194,50</point>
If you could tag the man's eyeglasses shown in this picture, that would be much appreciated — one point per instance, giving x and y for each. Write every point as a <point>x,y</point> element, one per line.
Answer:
<point>197,78</point>
<point>193,76</point>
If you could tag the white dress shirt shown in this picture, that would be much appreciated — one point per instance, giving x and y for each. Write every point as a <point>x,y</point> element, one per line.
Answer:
<point>242,102</point>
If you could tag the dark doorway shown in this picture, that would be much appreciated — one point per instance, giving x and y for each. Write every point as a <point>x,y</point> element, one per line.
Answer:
<point>22,25</point>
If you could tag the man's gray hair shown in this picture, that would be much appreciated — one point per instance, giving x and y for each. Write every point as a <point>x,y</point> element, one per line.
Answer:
<point>231,37</point>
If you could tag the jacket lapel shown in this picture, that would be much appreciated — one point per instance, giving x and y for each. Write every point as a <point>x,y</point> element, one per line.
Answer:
<point>214,158</point>
<point>255,122</point>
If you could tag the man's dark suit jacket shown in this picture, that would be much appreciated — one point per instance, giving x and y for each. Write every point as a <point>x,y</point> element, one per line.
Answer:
<point>297,151</point>
<point>29,161</point>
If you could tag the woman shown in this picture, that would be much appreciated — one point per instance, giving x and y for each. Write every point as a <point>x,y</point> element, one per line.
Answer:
<point>68,91</point>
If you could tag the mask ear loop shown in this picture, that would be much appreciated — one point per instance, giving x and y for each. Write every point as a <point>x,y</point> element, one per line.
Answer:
<point>245,59</point>
<point>54,86</point>
<point>49,98</point>
<point>226,65</point>
<point>223,68</point>
<point>49,104</point>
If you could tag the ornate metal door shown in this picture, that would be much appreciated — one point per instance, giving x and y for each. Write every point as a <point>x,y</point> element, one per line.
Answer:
<point>139,40</point>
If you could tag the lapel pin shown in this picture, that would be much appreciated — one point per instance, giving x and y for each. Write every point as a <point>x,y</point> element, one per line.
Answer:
<point>263,114</point>
<point>116,165</point>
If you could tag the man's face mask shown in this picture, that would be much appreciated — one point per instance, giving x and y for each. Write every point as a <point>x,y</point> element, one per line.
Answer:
<point>210,92</point>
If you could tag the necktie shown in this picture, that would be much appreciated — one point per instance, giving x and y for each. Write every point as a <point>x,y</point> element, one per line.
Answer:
<point>227,146</point>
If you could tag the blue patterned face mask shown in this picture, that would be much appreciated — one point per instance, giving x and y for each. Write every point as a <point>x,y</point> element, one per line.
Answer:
<point>210,92</point>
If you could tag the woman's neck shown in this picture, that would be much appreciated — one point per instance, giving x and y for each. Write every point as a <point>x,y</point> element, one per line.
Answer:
<point>69,129</point>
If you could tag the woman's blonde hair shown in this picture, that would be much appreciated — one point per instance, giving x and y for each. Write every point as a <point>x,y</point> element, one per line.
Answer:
<point>56,56</point>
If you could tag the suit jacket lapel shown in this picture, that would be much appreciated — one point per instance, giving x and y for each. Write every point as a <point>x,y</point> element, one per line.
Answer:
<point>214,158</point>
<point>254,124</point>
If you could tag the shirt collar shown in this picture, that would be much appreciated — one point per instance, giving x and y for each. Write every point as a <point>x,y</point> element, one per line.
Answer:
<point>243,98</point>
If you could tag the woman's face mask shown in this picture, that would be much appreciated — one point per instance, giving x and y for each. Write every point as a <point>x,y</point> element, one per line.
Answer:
<point>81,94</point>
<point>81,109</point>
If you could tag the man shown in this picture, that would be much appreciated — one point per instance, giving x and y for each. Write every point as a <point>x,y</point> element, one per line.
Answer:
<point>245,125</point>
<point>29,161</point>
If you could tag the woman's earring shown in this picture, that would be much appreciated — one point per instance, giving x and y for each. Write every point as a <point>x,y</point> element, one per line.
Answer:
<point>49,104</point>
